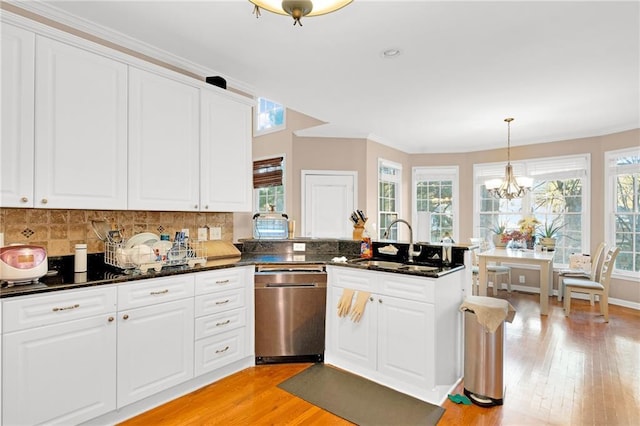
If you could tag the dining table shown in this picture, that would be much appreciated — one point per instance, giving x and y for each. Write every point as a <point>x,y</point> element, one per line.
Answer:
<point>543,259</point>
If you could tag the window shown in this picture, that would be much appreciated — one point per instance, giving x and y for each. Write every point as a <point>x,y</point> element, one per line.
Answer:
<point>559,195</point>
<point>389,181</point>
<point>435,208</point>
<point>268,184</point>
<point>269,117</point>
<point>622,211</point>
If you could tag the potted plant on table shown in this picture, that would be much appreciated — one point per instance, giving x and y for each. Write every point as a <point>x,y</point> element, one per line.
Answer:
<point>498,231</point>
<point>549,233</point>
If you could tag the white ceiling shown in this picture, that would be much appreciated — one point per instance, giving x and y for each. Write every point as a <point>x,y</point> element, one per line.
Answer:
<point>562,69</point>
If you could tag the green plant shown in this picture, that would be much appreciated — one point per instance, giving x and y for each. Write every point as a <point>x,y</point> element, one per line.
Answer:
<point>499,228</point>
<point>550,229</point>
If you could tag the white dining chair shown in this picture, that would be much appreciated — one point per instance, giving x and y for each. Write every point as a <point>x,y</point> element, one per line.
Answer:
<point>572,273</point>
<point>493,272</point>
<point>598,287</point>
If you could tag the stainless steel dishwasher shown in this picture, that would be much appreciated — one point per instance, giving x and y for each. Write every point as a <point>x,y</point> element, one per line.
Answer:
<point>290,312</point>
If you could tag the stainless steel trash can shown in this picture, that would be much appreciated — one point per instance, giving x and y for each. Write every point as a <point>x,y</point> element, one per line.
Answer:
<point>483,362</point>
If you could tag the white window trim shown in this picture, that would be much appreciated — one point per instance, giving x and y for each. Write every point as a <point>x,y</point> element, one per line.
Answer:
<point>609,214</point>
<point>403,231</point>
<point>436,173</point>
<point>284,182</point>
<point>521,167</point>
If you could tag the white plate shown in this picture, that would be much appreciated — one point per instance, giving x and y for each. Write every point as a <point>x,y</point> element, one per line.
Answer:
<point>141,254</point>
<point>146,238</point>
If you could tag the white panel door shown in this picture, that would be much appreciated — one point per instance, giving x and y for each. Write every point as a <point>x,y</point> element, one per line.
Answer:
<point>81,128</point>
<point>225,154</point>
<point>16,154</point>
<point>328,200</point>
<point>164,137</point>
<point>155,349</point>
<point>60,374</point>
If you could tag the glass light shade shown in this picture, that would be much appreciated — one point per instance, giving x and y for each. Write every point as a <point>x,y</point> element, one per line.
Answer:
<point>319,7</point>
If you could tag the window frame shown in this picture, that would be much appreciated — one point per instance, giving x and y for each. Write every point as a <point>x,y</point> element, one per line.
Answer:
<point>435,173</point>
<point>553,167</point>
<point>610,204</point>
<point>256,118</point>
<point>256,191</point>
<point>398,197</point>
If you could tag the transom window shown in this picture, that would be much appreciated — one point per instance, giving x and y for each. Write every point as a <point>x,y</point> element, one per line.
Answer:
<point>622,195</point>
<point>269,117</point>
<point>558,197</point>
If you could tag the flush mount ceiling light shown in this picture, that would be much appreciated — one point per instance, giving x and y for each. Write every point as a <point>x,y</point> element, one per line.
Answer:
<point>391,53</point>
<point>299,8</point>
<point>510,187</point>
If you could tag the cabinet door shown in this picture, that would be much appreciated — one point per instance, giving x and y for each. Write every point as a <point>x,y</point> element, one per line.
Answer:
<point>18,62</point>
<point>60,374</point>
<point>163,143</point>
<point>155,349</point>
<point>405,341</point>
<point>81,128</point>
<point>351,344</point>
<point>225,163</point>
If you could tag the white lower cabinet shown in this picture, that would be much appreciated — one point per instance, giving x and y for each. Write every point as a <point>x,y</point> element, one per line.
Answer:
<point>155,342</point>
<point>396,342</point>
<point>63,373</point>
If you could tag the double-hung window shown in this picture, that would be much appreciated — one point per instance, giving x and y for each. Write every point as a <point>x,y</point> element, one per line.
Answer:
<point>268,184</point>
<point>435,191</point>
<point>389,190</point>
<point>622,209</point>
<point>559,197</point>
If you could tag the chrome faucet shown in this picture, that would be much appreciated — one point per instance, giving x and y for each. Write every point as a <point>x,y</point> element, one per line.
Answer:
<point>411,250</point>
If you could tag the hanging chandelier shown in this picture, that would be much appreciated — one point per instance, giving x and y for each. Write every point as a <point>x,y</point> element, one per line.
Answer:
<point>299,8</point>
<point>510,187</point>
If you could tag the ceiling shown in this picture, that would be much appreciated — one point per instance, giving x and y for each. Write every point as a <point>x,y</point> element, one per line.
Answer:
<point>564,70</point>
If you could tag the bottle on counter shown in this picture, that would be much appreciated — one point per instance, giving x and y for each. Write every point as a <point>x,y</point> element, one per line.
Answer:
<point>366,250</point>
<point>80,259</point>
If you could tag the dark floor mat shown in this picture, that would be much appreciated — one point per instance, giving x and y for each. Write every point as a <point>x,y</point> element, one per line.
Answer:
<point>359,400</point>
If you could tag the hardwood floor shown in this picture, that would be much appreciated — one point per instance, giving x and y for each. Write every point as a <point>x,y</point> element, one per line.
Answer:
<point>558,371</point>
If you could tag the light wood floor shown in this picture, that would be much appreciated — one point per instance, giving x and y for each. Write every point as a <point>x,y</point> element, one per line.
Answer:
<point>558,371</point>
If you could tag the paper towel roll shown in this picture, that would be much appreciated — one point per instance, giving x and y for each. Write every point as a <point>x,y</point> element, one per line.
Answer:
<point>423,229</point>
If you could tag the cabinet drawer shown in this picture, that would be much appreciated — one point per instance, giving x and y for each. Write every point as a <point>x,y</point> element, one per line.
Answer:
<point>219,302</point>
<point>351,278</point>
<point>62,306</point>
<point>406,287</point>
<point>217,351</point>
<point>157,290</point>
<point>220,323</point>
<point>220,280</point>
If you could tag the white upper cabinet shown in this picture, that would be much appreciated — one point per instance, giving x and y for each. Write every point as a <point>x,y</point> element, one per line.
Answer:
<point>16,173</point>
<point>225,161</point>
<point>81,128</point>
<point>163,143</point>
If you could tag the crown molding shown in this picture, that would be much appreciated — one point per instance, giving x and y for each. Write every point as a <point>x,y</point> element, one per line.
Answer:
<point>48,11</point>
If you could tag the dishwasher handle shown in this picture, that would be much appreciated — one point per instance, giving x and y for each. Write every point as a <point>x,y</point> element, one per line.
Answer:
<point>290,285</point>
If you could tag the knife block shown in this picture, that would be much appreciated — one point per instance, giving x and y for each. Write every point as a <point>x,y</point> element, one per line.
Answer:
<point>357,231</point>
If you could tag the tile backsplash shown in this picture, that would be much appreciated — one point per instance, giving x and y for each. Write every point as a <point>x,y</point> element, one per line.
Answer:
<point>60,230</point>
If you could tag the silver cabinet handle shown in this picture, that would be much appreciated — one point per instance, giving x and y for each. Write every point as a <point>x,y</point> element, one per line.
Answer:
<point>220,324</point>
<point>371,299</point>
<point>125,317</point>
<point>44,201</point>
<point>379,300</point>
<point>219,351</point>
<point>206,207</point>
<point>165,291</point>
<point>110,319</point>
<point>24,199</point>
<point>195,207</point>
<point>223,302</point>
<point>222,282</point>
<point>66,308</point>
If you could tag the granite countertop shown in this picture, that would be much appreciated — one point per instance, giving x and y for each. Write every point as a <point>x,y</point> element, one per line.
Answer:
<point>99,273</point>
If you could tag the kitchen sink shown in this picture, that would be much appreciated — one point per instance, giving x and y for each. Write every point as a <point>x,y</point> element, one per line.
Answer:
<point>385,264</point>
<point>418,268</point>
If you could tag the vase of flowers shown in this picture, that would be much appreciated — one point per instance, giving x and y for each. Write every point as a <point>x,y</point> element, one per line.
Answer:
<point>498,233</point>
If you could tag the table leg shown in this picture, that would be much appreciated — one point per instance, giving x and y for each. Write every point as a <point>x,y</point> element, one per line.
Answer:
<point>545,269</point>
<point>482,276</point>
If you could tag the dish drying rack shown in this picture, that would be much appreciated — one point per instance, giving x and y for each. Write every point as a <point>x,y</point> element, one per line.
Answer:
<point>189,253</point>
